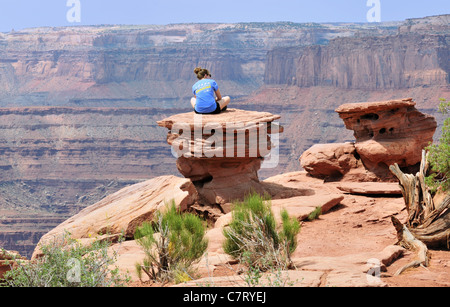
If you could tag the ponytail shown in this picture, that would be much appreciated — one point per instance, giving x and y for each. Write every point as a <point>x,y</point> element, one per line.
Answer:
<point>201,72</point>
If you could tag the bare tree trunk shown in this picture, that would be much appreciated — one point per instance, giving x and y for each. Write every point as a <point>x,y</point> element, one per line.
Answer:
<point>428,223</point>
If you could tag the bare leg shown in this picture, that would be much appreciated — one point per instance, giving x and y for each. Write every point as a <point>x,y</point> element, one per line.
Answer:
<point>193,101</point>
<point>224,101</point>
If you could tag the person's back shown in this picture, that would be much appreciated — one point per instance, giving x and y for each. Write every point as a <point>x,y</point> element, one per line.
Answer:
<point>204,91</point>
<point>207,98</point>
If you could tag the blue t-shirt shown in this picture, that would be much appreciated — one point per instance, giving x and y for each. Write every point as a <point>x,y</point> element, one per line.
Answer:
<point>204,91</point>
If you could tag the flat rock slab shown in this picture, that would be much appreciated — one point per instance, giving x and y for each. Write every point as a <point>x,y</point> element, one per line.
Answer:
<point>127,254</point>
<point>367,107</point>
<point>232,133</point>
<point>302,206</point>
<point>228,118</point>
<point>283,278</point>
<point>354,270</point>
<point>370,188</point>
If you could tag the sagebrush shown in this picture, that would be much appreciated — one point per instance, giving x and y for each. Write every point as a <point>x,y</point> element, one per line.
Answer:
<point>254,238</point>
<point>439,154</point>
<point>172,243</point>
<point>67,263</point>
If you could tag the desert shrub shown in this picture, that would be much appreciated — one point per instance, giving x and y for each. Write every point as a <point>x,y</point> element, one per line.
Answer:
<point>315,214</point>
<point>439,154</point>
<point>252,235</point>
<point>172,243</point>
<point>67,263</point>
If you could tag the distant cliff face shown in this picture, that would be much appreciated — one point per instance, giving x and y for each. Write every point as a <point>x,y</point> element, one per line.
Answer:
<point>438,24</point>
<point>142,65</point>
<point>57,160</point>
<point>371,63</point>
<point>51,143</point>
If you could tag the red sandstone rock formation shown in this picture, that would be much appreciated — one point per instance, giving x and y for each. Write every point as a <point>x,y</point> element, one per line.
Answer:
<point>221,153</point>
<point>379,62</point>
<point>115,66</point>
<point>121,212</point>
<point>386,132</point>
<point>330,160</point>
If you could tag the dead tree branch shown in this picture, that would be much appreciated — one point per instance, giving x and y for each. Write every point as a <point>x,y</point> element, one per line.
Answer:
<point>428,222</point>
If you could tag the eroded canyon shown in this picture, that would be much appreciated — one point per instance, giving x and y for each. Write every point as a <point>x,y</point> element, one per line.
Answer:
<point>79,105</point>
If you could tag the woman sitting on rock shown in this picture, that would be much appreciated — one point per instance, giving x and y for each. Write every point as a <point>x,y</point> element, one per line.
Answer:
<point>204,100</point>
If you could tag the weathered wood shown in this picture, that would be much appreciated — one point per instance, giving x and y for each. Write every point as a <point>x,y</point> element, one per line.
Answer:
<point>408,241</point>
<point>408,188</point>
<point>428,223</point>
<point>437,233</point>
<point>428,200</point>
<point>445,204</point>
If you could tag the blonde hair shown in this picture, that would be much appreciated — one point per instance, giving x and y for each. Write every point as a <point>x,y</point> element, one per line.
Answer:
<point>201,72</point>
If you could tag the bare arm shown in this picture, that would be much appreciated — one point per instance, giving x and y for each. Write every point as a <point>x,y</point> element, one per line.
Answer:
<point>219,96</point>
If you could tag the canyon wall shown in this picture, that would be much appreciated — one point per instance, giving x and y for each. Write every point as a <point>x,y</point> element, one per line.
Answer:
<point>145,66</point>
<point>57,160</point>
<point>370,63</point>
<point>50,143</point>
<point>312,81</point>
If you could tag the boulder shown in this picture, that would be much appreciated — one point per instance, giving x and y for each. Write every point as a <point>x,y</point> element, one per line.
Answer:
<point>330,160</point>
<point>123,211</point>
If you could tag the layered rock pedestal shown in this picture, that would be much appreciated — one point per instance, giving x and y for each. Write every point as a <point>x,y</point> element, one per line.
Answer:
<point>386,132</point>
<point>222,153</point>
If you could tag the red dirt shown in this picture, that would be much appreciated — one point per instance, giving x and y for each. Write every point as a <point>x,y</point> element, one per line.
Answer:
<point>362,224</point>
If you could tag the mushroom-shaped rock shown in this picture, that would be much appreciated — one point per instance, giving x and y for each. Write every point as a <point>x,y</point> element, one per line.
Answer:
<point>222,153</point>
<point>386,132</point>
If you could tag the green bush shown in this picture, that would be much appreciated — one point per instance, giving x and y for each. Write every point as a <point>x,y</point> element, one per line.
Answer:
<point>172,243</point>
<point>67,263</point>
<point>439,155</point>
<point>315,214</point>
<point>252,235</point>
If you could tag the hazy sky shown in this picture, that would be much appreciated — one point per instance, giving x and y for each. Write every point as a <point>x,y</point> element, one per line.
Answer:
<point>19,14</point>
